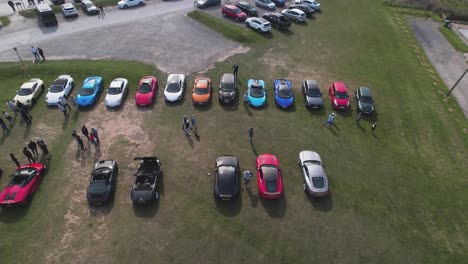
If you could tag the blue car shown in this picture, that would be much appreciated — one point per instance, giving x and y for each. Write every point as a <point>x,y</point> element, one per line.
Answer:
<point>284,95</point>
<point>256,92</point>
<point>88,94</point>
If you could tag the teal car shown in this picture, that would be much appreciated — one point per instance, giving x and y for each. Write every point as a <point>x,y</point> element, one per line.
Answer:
<point>256,92</point>
<point>89,92</point>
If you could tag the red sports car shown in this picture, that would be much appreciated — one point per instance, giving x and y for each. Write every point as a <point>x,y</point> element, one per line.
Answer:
<point>269,180</point>
<point>23,184</point>
<point>339,96</point>
<point>146,91</point>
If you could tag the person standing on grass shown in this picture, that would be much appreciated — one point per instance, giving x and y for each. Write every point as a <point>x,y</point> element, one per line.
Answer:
<point>33,147</point>
<point>73,101</point>
<point>12,5</point>
<point>62,108</point>
<point>193,121</point>
<point>63,101</point>
<point>4,126</point>
<point>235,68</point>
<point>35,53</point>
<point>26,118</point>
<point>251,134</point>
<point>43,146</point>
<point>184,120</point>
<point>246,99</point>
<point>14,159</point>
<point>101,11</point>
<point>94,131</point>
<point>28,155</point>
<point>92,139</point>
<point>247,177</point>
<point>330,120</point>
<point>80,143</point>
<point>41,53</point>
<point>374,126</point>
<point>85,132</point>
<point>8,117</point>
<point>187,128</point>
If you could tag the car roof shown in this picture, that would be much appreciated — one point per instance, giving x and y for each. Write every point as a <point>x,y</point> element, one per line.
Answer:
<point>68,5</point>
<point>295,10</point>
<point>173,78</point>
<point>227,78</point>
<point>202,82</point>
<point>227,160</point>
<point>60,81</point>
<point>310,155</point>
<point>340,86</point>
<point>261,19</point>
<point>28,85</point>
<point>365,91</point>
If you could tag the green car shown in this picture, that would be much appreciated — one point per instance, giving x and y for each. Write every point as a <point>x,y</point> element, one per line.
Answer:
<point>364,101</point>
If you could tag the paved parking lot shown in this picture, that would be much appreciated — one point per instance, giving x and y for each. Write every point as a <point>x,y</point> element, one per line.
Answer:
<point>159,33</point>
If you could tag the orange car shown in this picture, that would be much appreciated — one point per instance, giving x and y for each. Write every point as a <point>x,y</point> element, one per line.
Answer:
<point>201,93</point>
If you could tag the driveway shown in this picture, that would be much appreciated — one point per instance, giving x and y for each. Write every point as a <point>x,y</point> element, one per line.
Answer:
<point>448,63</point>
<point>159,33</point>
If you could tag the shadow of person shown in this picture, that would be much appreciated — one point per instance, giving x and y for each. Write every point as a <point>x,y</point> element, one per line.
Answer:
<point>97,154</point>
<point>27,131</point>
<point>247,109</point>
<point>65,121</point>
<point>254,149</point>
<point>358,124</point>
<point>376,137</point>
<point>189,140</point>
<point>146,210</point>
<point>252,197</point>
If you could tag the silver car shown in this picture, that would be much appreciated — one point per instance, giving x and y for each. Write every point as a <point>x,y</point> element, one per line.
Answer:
<point>268,4</point>
<point>294,14</point>
<point>69,10</point>
<point>315,179</point>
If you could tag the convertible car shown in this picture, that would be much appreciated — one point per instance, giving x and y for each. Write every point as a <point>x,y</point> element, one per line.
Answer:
<point>23,184</point>
<point>145,186</point>
<point>88,95</point>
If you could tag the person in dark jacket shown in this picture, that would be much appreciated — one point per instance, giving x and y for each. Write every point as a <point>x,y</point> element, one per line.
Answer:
<point>33,147</point>
<point>28,155</point>
<point>14,159</point>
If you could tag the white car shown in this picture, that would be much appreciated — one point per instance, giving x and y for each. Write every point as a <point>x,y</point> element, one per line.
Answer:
<point>311,3</point>
<point>315,179</point>
<point>129,3</point>
<point>61,87</point>
<point>69,10</point>
<point>294,14</point>
<point>175,86</point>
<point>117,92</point>
<point>29,92</point>
<point>258,23</point>
<point>268,4</point>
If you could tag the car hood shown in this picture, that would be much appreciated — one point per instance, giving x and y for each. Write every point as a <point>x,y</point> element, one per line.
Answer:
<point>84,99</point>
<point>343,102</point>
<point>53,98</point>
<point>366,106</point>
<point>13,194</point>
<point>143,98</point>
<point>284,101</point>
<point>254,101</point>
<point>227,94</point>
<point>172,96</point>
<point>97,188</point>
<point>314,100</point>
<point>113,97</point>
<point>24,98</point>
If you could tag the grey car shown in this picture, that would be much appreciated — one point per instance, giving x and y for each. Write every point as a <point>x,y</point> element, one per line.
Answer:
<point>268,4</point>
<point>312,94</point>
<point>294,15</point>
<point>315,179</point>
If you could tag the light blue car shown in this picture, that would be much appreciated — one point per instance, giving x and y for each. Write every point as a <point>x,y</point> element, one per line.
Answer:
<point>89,92</point>
<point>284,96</point>
<point>256,92</point>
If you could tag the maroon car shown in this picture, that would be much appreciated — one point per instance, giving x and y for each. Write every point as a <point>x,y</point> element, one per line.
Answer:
<point>233,12</point>
<point>23,184</point>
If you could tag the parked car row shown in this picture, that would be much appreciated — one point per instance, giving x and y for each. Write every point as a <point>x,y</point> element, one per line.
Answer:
<point>256,93</point>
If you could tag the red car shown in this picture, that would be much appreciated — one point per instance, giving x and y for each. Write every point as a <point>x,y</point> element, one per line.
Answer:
<point>269,180</point>
<point>146,91</point>
<point>23,184</point>
<point>339,96</point>
<point>233,12</point>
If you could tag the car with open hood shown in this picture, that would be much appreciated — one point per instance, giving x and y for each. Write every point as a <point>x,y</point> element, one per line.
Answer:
<point>145,184</point>
<point>315,178</point>
<point>269,178</point>
<point>90,91</point>
<point>116,93</point>
<point>29,92</point>
<point>103,182</point>
<point>312,94</point>
<point>277,20</point>
<point>146,91</point>
<point>175,87</point>
<point>61,87</point>
<point>227,88</point>
<point>201,92</point>
<point>227,173</point>
<point>24,182</point>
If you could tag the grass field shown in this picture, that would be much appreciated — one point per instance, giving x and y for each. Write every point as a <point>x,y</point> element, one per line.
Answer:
<point>398,197</point>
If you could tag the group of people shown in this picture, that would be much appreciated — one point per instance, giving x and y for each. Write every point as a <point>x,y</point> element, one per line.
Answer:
<point>31,153</point>
<point>92,137</point>
<point>331,119</point>
<point>38,54</point>
<point>16,108</point>
<point>186,125</point>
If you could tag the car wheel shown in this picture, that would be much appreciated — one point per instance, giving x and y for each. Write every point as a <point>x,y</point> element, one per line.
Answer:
<point>247,24</point>
<point>125,6</point>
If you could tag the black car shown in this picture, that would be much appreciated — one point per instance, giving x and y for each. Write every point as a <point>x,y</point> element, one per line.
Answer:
<point>364,101</point>
<point>207,3</point>
<point>277,20</point>
<point>227,88</point>
<point>226,185</point>
<point>247,8</point>
<point>102,184</point>
<point>312,94</point>
<point>58,2</point>
<point>89,7</point>
<point>145,186</point>
<point>305,8</point>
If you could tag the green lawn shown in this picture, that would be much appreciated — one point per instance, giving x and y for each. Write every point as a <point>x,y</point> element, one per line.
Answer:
<point>398,197</point>
<point>456,42</point>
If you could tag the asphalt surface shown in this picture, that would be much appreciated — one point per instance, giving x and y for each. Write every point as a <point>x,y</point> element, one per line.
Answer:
<point>158,33</point>
<point>448,63</point>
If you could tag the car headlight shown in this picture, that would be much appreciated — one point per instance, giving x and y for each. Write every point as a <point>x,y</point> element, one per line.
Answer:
<point>28,101</point>
<point>335,102</point>
<point>372,108</point>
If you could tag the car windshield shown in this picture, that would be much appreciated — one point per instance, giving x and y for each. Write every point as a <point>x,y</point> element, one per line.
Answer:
<point>144,182</point>
<point>270,175</point>
<point>256,91</point>
<point>173,87</point>
<point>201,91</point>
<point>236,11</point>
<point>114,90</point>
<point>56,89</point>
<point>283,19</point>
<point>366,99</point>
<point>314,92</point>
<point>227,87</point>
<point>201,87</point>
<point>23,176</point>
<point>86,91</point>
<point>247,6</point>
<point>101,174</point>
<point>226,178</point>
<point>285,93</point>
<point>341,95</point>
<point>24,91</point>
<point>314,162</point>
<point>89,5</point>
<point>318,182</point>
<point>144,88</point>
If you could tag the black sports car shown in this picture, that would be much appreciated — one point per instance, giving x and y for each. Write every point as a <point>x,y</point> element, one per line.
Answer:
<point>145,186</point>
<point>226,178</point>
<point>102,184</point>
<point>277,20</point>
